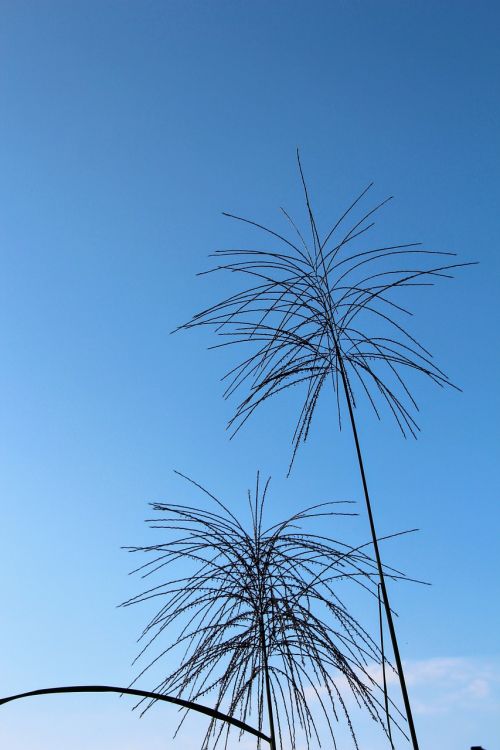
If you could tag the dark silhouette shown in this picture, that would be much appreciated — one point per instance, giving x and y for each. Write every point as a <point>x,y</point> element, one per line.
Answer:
<point>322,310</point>
<point>262,627</point>
<point>215,715</point>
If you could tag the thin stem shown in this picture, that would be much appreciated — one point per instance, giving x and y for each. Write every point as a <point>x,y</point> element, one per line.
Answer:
<point>272,736</point>
<point>142,694</point>
<point>386,696</point>
<point>385,596</point>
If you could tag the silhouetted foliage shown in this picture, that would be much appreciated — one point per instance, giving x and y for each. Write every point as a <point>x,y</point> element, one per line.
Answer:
<point>321,309</point>
<point>318,307</point>
<point>262,626</point>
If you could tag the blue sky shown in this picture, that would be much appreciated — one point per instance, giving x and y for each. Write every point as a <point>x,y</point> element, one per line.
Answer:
<point>126,129</point>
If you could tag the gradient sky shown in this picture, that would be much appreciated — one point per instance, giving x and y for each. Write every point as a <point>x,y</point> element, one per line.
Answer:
<point>125,129</point>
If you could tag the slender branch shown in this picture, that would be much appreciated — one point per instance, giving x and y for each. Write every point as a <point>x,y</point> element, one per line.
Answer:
<point>385,596</point>
<point>142,694</point>
<point>272,740</point>
<point>386,696</point>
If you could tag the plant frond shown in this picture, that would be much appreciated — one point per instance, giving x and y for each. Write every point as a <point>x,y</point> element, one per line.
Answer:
<point>278,582</point>
<point>317,304</point>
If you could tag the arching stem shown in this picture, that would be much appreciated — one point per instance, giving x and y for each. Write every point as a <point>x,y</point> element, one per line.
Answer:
<point>383,588</point>
<point>192,706</point>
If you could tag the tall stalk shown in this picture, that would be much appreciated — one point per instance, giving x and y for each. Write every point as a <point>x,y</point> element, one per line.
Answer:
<point>306,312</point>
<point>384,680</point>
<point>383,588</point>
<point>272,733</point>
<point>260,618</point>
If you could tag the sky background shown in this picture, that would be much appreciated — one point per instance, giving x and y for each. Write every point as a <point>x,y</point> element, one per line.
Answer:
<point>126,128</point>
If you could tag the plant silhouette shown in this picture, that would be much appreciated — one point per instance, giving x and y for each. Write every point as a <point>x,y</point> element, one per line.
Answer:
<point>262,626</point>
<point>323,310</point>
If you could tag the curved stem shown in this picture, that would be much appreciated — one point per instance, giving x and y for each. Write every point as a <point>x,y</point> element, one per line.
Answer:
<point>383,588</point>
<point>142,694</point>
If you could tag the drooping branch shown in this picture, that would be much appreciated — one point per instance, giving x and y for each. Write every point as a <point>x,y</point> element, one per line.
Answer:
<point>260,619</point>
<point>192,706</point>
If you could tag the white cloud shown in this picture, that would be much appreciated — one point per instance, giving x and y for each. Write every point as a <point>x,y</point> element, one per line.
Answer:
<point>450,684</point>
<point>452,698</point>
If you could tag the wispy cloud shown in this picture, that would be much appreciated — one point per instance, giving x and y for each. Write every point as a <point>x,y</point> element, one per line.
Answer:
<point>444,685</point>
<point>452,697</point>
<point>450,684</point>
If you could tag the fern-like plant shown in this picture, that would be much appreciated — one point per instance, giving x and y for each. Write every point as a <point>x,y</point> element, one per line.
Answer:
<point>262,627</point>
<point>323,309</point>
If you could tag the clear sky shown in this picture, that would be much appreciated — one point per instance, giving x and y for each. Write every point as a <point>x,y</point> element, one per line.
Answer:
<point>126,128</point>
